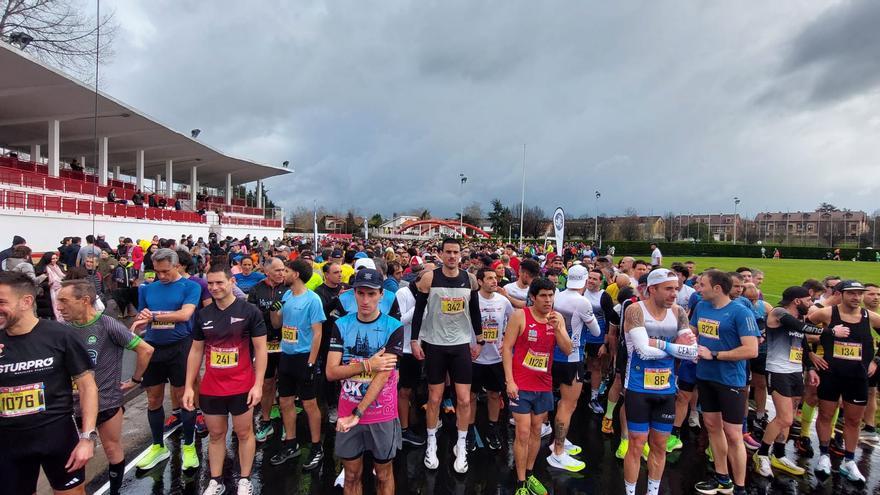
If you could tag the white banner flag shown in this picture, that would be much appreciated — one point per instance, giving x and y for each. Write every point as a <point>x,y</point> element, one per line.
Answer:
<point>559,228</point>
<point>366,230</point>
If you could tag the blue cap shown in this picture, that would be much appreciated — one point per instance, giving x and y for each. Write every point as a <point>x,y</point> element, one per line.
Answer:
<point>360,254</point>
<point>367,277</point>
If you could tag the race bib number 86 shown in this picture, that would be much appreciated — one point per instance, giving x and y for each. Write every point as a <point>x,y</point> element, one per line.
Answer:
<point>657,378</point>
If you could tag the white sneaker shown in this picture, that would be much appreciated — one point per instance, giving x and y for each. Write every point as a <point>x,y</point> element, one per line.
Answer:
<point>460,465</point>
<point>694,419</point>
<point>762,465</point>
<point>245,487</point>
<point>214,488</point>
<point>850,471</point>
<point>431,461</point>
<point>546,430</point>
<point>512,421</point>
<point>340,480</point>
<point>570,448</point>
<point>824,465</point>
<point>565,462</point>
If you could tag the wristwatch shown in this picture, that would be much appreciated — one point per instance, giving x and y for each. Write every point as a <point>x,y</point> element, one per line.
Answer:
<point>481,342</point>
<point>714,355</point>
<point>89,435</point>
<point>136,380</point>
<point>357,412</point>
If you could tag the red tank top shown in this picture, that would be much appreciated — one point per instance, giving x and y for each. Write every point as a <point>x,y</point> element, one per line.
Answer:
<point>533,356</point>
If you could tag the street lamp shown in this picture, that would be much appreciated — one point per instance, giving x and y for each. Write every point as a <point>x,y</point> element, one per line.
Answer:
<point>735,204</point>
<point>461,202</point>
<point>596,223</point>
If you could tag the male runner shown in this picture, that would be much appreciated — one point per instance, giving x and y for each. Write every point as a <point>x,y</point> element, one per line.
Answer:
<point>527,353</point>
<point>488,372</point>
<point>518,292</point>
<point>568,369</point>
<point>448,304</point>
<point>656,332</point>
<point>225,333</point>
<point>786,340</point>
<point>728,337</point>
<point>300,315</point>
<point>410,367</point>
<point>843,372</point>
<point>364,349</point>
<point>596,346</point>
<point>39,361</point>
<point>871,301</point>
<point>106,339</point>
<point>166,310</point>
<point>264,295</point>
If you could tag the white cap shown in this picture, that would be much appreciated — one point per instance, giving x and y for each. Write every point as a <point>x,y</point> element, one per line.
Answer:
<point>661,275</point>
<point>364,263</point>
<point>577,277</point>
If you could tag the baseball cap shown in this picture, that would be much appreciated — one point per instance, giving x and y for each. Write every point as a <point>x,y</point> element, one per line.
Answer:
<point>643,280</point>
<point>416,260</point>
<point>365,263</point>
<point>792,293</point>
<point>846,285</point>
<point>336,254</point>
<point>661,275</point>
<point>368,277</point>
<point>360,255</point>
<point>577,277</point>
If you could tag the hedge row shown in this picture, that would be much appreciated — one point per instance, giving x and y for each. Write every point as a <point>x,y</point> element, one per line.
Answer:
<point>734,250</point>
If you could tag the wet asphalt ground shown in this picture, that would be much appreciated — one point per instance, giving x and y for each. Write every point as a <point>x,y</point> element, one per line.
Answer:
<point>491,472</point>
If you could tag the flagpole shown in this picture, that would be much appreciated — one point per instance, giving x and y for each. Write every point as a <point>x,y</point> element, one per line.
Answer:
<point>522,200</point>
<point>316,226</point>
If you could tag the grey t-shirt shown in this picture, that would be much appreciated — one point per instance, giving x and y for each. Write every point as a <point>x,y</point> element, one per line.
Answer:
<point>106,339</point>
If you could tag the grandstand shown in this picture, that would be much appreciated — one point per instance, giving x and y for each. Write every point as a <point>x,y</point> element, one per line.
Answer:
<point>55,176</point>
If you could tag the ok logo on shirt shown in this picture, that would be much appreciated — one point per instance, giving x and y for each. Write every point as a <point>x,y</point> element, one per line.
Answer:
<point>708,328</point>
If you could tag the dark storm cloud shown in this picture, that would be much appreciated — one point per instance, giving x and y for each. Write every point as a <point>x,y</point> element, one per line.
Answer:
<point>380,106</point>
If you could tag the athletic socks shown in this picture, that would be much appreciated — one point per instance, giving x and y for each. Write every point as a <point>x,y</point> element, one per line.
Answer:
<point>850,455</point>
<point>676,431</point>
<point>834,418</point>
<point>317,447</point>
<point>630,488</point>
<point>462,439</point>
<point>722,478</point>
<point>823,449</point>
<point>609,409</point>
<point>117,472</point>
<point>764,449</point>
<point>807,414</point>
<point>653,487</point>
<point>779,450</point>
<point>291,443</point>
<point>188,418</point>
<point>594,394</point>
<point>156,419</point>
<point>432,435</point>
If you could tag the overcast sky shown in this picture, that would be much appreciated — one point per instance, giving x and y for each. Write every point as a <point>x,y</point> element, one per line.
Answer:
<point>661,106</point>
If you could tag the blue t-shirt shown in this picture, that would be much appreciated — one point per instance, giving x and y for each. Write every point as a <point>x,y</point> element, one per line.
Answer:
<point>298,315</point>
<point>246,282</point>
<point>693,300</point>
<point>720,330</point>
<point>159,297</point>
<point>391,285</point>
<point>350,305</point>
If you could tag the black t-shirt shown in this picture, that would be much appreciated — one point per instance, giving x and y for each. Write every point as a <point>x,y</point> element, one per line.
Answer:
<point>264,296</point>
<point>35,375</point>
<point>330,300</point>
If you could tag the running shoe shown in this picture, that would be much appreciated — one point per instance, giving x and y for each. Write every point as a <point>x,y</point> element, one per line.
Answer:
<point>431,461</point>
<point>447,406</point>
<point>470,441</point>
<point>546,430</point>
<point>493,441</point>
<point>201,427</point>
<point>673,443</point>
<point>214,488</point>
<point>804,446</point>
<point>761,424</point>
<point>522,491</point>
<point>850,471</point>
<point>460,465</point>
<point>869,437</point>
<point>565,462</point>
<point>285,454</point>
<point>607,426</point>
<point>245,487</point>
<point>622,448</point>
<point>824,465</point>
<point>535,486</point>
<point>172,422</point>
<point>340,480</point>
<point>275,413</point>
<point>596,407</point>
<point>750,442</point>
<point>646,449</point>
<point>154,456</point>
<point>264,431</point>
<point>714,486</point>
<point>413,438</point>
<point>694,420</point>
<point>570,448</point>
<point>316,455</point>
<point>709,454</point>
<point>786,465</point>
<point>190,457</point>
<point>762,465</point>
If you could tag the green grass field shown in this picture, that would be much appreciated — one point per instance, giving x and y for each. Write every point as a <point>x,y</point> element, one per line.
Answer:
<point>779,274</point>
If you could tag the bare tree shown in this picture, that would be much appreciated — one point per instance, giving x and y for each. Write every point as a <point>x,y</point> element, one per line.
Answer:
<point>59,33</point>
<point>630,226</point>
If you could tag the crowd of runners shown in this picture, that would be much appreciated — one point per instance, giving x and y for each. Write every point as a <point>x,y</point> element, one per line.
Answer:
<point>353,333</point>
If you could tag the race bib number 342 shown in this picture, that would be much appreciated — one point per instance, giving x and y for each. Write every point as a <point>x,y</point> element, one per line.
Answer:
<point>22,400</point>
<point>451,305</point>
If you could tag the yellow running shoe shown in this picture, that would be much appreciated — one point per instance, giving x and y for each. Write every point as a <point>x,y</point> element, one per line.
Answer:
<point>622,448</point>
<point>786,465</point>
<point>154,456</point>
<point>190,458</point>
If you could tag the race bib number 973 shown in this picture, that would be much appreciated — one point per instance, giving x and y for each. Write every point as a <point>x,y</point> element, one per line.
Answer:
<point>22,400</point>
<point>707,328</point>
<point>490,331</point>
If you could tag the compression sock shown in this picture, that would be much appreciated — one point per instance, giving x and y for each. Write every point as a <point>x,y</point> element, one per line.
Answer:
<point>117,472</point>
<point>849,455</point>
<point>462,439</point>
<point>156,419</point>
<point>779,450</point>
<point>653,487</point>
<point>764,449</point>
<point>188,418</point>
<point>834,418</point>
<point>609,409</point>
<point>807,414</point>
<point>630,488</point>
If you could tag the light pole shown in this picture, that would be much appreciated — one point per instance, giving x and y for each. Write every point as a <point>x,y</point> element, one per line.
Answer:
<point>735,204</point>
<point>522,199</point>
<point>461,202</point>
<point>596,223</point>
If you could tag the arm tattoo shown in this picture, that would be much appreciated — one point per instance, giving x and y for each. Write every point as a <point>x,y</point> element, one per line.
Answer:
<point>633,317</point>
<point>683,321</point>
<point>84,373</point>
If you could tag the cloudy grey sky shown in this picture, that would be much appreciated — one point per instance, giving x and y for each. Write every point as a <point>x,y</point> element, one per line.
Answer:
<point>662,106</point>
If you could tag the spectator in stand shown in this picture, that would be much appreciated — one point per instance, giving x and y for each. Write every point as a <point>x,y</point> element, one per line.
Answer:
<point>178,205</point>
<point>163,202</point>
<point>111,197</point>
<point>135,253</point>
<point>151,201</point>
<point>138,198</point>
<point>121,248</point>
<point>76,166</point>
<point>90,249</point>
<point>16,241</point>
